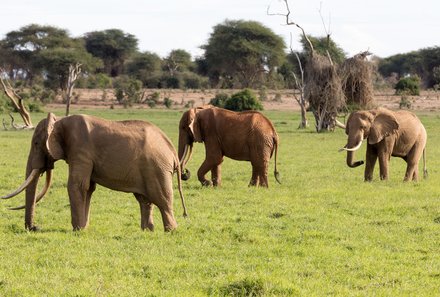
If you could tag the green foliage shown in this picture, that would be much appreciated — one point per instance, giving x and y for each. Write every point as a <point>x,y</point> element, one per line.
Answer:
<point>128,90</point>
<point>243,100</point>
<point>168,102</point>
<point>316,234</point>
<point>219,100</point>
<point>95,81</point>
<point>239,52</point>
<point>405,102</point>
<point>113,47</point>
<point>144,67</point>
<point>323,44</point>
<point>421,63</point>
<point>408,85</point>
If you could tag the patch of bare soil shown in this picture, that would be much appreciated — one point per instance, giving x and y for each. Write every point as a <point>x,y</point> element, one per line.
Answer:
<point>275,99</point>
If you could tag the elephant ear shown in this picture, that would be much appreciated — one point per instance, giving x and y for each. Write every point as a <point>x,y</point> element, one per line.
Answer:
<point>384,124</point>
<point>53,143</point>
<point>194,125</point>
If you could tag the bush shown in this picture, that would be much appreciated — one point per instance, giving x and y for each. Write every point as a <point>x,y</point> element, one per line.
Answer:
<point>128,90</point>
<point>243,100</point>
<point>219,100</point>
<point>408,86</point>
<point>405,102</point>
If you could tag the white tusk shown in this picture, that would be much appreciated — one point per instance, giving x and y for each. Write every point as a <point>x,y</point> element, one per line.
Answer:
<point>185,151</point>
<point>351,149</point>
<point>31,177</point>
<point>339,124</point>
<point>41,194</point>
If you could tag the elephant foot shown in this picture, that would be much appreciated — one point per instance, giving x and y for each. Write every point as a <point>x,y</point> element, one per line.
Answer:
<point>33,228</point>
<point>206,183</point>
<point>149,227</point>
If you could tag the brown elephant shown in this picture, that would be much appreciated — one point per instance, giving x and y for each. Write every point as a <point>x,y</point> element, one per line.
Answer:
<point>130,156</point>
<point>244,136</point>
<point>397,134</point>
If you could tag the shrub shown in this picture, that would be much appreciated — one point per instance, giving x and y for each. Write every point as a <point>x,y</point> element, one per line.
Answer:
<point>128,90</point>
<point>408,86</point>
<point>168,102</point>
<point>219,100</point>
<point>243,100</point>
<point>405,102</point>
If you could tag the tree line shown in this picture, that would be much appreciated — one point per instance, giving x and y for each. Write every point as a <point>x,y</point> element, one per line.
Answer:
<point>237,54</point>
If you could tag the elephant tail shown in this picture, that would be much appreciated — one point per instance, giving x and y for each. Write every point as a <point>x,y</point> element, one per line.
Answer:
<point>425,170</point>
<point>179,186</point>
<point>276,173</point>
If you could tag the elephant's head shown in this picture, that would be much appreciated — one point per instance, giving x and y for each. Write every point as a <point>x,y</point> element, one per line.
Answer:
<point>46,148</point>
<point>190,131</point>
<point>373,125</point>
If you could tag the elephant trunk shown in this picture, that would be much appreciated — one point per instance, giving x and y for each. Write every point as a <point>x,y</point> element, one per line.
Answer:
<point>184,153</point>
<point>350,163</point>
<point>351,147</point>
<point>30,199</point>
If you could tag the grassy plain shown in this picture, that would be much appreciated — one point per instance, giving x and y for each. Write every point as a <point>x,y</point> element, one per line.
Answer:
<point>323,231</point>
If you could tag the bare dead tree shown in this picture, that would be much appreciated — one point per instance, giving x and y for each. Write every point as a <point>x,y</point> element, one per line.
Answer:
<point>74,71</point>
<point>322,87</point>
<point>17,102</point>
<point>299,85</point>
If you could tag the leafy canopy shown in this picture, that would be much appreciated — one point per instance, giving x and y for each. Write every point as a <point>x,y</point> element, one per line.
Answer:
<point>241,52</point>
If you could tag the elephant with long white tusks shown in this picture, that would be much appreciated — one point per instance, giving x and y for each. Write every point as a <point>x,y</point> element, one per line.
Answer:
<point>130,156</point>
<point>388,133</point>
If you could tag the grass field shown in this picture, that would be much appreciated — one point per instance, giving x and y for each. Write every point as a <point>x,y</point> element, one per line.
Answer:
<point>323,231</point>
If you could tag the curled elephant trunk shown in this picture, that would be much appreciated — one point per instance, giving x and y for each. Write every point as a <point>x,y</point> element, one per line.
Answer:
<point>186,156</point>
<point>350,150</point>
<point>42,193</point>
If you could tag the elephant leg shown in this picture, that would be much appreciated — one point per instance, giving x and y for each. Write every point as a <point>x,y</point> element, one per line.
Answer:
<point>370,162</point>
<point>384,160</point>
<point>255,179</point>
<point>78,186</point>
<point>216,175</point>
<point>146,212</point>
<point>212,161</point>
<point>88,199</point>
<point>160,193</point>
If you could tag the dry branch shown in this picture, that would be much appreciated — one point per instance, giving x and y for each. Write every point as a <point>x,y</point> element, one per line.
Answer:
<point>356,77</point>
<point>17,102</point>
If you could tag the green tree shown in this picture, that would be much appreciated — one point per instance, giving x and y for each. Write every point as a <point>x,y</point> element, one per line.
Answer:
<point>22,50</point>
<point>56,61</point>
<point>144,67</point>
<point>178,61</point>
<point>322,45</point>
<point>241,53</point>
<point>113,46</point>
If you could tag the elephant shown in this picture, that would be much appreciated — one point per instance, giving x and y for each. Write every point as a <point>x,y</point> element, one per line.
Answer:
<point>244,136</point>
<point>129,156</point>
<point>389,133</point>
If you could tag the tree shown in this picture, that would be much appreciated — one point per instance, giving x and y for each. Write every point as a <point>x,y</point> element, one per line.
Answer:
<point>178,61</point>
<point>144,67</point>
<point>240,53</point>
<point>113,46</point>
<point>21,50</point>
<point>324,45</point>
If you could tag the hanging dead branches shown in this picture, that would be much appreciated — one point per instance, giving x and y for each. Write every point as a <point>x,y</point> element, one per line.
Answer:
<point>322,88</point>
<point>356,77</point>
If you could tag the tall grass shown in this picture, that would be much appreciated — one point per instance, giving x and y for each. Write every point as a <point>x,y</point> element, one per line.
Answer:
<point>323,231</point>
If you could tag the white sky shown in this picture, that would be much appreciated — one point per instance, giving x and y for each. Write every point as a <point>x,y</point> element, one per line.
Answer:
<point>384,27</point>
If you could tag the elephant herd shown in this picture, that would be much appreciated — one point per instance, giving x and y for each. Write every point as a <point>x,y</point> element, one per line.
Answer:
<point>137,157</point>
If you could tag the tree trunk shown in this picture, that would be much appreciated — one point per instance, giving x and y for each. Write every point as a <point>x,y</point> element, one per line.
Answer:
<point>17,102</point>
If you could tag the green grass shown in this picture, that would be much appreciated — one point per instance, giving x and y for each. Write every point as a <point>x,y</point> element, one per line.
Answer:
<point>322,232</point>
